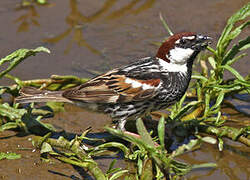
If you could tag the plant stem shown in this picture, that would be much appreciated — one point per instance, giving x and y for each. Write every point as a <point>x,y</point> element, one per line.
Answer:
<point>74,146</point>
<point>228,132</point>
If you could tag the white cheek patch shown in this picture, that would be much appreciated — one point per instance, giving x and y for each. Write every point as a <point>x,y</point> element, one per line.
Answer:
<point>172,67</point>
<point>179,55</point>
<point>136,84</point>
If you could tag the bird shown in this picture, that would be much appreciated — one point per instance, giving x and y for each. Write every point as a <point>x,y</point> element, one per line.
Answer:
<point>133,91</point>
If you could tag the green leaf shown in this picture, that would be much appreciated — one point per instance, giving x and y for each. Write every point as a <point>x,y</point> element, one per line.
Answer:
<point>111,166</point>
<point>9,125</point>
<point>218,121</point>
<point>245,46</point>
<point>42,1</point>
<point>233,34</point>
<point>199,91</point>
<point>231,61</point>
<point>185,109</point>
<point>118,174</point>
<point>161,131</point>
<point>180,168</point>
<point>34,125</point>
<point>204,165</point>
<point>211,50</point>
<point>220,144</point>
<point>143,133</point>
<point>46,148</point>
<point>9,155</point>
<point>212,62</point>
<point>18,56</point>
<point>244,83</point>
<point>147,170</point>
<point>207,103</point>
<point>224,39</point>
<point>183,148</point>
<point>234,72</point>
<point>219,100</point>
<point>112,145</point>
<point>242,45</point>
<point>38,141</point>
<point>124,136</point>
<point>226,88</point>
<point>10,112</point>
<point>199,77</point>
<point>166,25</point>
<point>209,140</point>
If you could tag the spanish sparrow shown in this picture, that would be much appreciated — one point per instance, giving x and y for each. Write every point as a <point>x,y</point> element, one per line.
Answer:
<point>131,91</point>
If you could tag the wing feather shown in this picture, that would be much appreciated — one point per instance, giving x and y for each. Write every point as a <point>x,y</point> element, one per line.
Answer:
<point>113,87</point>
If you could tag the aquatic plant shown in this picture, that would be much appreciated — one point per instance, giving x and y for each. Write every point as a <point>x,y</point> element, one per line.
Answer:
<point>25,3</point>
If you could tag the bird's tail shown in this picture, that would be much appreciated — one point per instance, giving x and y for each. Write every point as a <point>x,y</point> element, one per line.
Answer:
<point>30,94</point>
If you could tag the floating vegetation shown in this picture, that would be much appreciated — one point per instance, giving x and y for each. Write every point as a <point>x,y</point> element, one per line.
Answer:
<point>9,155</point>
<point>26,3</point>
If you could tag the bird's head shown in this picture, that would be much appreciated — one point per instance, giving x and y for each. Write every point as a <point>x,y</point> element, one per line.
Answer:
<point>182,48</point>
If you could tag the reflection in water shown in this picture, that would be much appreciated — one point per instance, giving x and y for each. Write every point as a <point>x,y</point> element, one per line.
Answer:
<point>128,9</point>
<point>76,20</point>
<point>101,12</point>
<point>233,157</point>
<point>28,19</point>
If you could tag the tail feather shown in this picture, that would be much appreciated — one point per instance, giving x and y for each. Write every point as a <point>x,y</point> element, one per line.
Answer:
<point>30,94</point>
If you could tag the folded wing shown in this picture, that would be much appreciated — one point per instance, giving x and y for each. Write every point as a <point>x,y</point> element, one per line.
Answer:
<point>113,87</point>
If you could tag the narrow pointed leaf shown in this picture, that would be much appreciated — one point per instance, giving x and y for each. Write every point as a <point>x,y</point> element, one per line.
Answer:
<point>219,100</point>
<point>212,62</point>
<point>18,56</point>
<point>161,131</point>
<point>118,174</point>
<point>9,156</point>
<point>242,45</point>
<point>144,133</point>
<point>234,72</point>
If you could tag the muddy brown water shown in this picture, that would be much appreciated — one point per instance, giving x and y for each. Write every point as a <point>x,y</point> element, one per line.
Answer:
<point>88,37</point>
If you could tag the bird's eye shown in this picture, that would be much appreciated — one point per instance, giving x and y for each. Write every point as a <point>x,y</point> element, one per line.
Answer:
<point>183,41</point>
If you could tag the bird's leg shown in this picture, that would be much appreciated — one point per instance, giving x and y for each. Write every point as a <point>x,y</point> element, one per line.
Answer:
<point>121,124</point>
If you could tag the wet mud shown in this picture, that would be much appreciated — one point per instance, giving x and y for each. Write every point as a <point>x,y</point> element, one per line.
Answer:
<point>90,37</point>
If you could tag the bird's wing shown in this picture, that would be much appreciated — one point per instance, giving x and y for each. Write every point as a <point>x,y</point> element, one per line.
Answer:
<point>114,87</point>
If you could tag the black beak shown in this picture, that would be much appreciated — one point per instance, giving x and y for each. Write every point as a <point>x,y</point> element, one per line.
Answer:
<point>201,38</point>
<point>202,42</point>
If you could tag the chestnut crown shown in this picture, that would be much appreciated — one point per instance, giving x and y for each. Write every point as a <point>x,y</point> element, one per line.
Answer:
<point>180,47</point>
